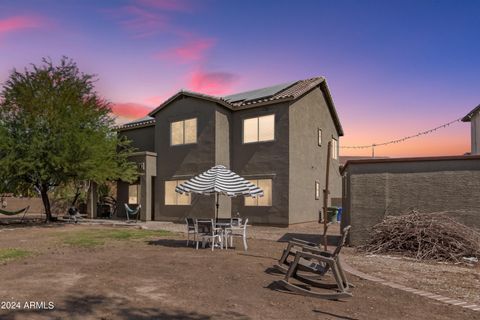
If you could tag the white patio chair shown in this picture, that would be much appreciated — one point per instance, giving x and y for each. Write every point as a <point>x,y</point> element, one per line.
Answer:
<point>207,232</point>
<point>191,230</point>
<point>238,230</point>
<point>236,222</point>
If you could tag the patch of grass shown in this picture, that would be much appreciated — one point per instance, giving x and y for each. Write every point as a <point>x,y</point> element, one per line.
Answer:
<point>82,240</point>
<point>136,234</point>
<point>92,238</point>
<point>13,254</point>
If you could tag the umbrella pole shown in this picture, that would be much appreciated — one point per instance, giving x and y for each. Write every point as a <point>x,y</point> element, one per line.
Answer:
<point>216,205</point>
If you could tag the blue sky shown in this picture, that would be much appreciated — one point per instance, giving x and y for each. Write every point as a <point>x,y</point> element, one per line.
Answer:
<point>394,67</point>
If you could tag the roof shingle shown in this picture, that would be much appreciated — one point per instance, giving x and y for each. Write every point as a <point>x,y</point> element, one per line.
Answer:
<point>257,93</point>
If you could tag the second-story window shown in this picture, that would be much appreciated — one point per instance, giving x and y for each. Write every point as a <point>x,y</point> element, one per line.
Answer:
<point>317,190</point>
<point>334,148</point>
<point>183,132</point>
<point>259,129</point>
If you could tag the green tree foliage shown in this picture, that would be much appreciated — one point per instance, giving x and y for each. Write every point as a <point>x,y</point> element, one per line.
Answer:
<point>55,130</point>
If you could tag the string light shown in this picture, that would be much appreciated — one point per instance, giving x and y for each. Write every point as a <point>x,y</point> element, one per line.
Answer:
<point>373,145</point>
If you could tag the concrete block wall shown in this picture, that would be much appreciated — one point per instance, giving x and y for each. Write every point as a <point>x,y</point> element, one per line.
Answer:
<point>392,188</point>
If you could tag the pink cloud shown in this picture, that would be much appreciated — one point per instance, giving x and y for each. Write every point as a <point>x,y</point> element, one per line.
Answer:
<point>191,51</point>
<point>18,23</point>
<point>130,110</point>
<point>214,83</point>
<point>155,101</point>
<point>140,22</point>
<point>144,18</point>
<point>168,5</point>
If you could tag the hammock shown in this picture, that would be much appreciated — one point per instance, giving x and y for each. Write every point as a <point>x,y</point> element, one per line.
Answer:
<point>132,212</point>
<point>14,213</point>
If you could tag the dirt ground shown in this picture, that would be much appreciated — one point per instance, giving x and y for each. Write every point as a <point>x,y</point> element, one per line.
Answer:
<point>158,277</point>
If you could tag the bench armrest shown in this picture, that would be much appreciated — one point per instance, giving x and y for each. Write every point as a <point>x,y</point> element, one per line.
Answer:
<point>321,258</point>
<point>318,251</point>
<point>304,242</point>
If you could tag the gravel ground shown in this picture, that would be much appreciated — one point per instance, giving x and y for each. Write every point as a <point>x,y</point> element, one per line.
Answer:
<point>461,281</point>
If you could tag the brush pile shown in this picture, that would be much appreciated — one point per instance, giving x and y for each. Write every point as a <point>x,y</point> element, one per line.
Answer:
<point>432,236</point>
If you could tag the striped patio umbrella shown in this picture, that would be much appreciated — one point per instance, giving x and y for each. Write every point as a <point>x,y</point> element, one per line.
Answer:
<point>219,180</point>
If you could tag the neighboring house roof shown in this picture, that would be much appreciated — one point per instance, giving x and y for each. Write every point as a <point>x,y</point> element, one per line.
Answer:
<point>343,159</point>
<point>255,98</point>
<point>469,116</point>
<point>411,159</point>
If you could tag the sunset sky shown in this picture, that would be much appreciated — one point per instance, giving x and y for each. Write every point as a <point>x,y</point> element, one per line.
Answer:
<point>394,67</point>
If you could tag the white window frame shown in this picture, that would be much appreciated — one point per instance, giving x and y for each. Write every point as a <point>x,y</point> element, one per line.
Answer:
<point>176,195</point>
<point>255,182</point>
<point>317,190</point>
<point>258,129</point>
<point>183,126</point>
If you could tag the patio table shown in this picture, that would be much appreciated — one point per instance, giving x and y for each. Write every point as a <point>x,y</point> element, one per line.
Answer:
<point>222,226</point>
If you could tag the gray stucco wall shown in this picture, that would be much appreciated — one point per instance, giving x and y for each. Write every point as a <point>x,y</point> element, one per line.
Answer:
<point>307,159</point>
<point>293,170</point>
<point>122,198</point>
<point>143,139</point>
<point>184,161</point>
<point>223,118</point>
<point>392,188</point>
<point>263,160</point>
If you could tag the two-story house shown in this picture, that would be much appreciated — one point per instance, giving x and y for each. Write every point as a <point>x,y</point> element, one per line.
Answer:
<point>276,137</point>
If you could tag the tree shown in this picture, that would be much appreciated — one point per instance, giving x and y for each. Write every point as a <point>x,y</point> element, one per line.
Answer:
<point>55,129</point>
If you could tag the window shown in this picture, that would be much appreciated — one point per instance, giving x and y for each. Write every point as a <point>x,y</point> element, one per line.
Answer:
<point>259,129</point>
<point>317,190</point>
<point>183,132</point>
<point>133,194</point>
<point>175,198</point>
<point>266,200</point>
<point>319,137</point>
<point>334,149</point>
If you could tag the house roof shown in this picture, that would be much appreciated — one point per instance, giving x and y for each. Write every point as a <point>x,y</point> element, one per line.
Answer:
<point>142,122</point>
<point>254,98</point>
<point>257,94</point>
<point>286,91</point>
<point>469,116</point>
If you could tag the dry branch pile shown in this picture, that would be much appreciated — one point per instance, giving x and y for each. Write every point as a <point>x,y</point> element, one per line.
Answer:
<point>432,236</point>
